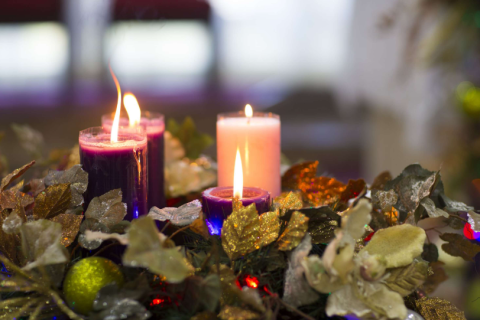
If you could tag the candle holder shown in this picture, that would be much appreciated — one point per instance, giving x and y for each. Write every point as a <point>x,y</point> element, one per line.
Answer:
<point>258,140</point>
<point>113,165</point>
<point>154,125</point>
<point>217,204</point>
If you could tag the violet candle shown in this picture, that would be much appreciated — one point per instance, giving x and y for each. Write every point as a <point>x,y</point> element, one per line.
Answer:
<point>217,204</point>
<point>113,165</point>
<point>154,125</point>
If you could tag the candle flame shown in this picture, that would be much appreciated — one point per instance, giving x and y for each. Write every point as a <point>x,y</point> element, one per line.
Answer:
<point>116,119</point>
<point>238,177</point>
<point>133,109</point>
<point>248,111</point>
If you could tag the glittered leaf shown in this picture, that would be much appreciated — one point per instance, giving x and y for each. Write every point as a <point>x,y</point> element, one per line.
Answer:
<point>9,243</point>
<point>399,245</point>
<point>14,175</point>
<point>30,139</point>
<point>435,277</point>
<point>321,224</point>
<point>108,209</point>
<point>236,204</point>
<point>121,227</point>
<point>240,232</point>
<point>294,232</point>
<point>269,228</point>
<point>321,191</point>
<point>146,250</point>
<point>459,246</point>
<point>354,189</point>
<point>474,220</point>
<point>432,210</point>
<point>384,200</point>
<point>92,225</point>
<point>181,216</point>
<point>454,206</point>
<point>438,309</point>
<point>10,198</point>
<point>381,180</point>
<point>237,313</point>
<point>298,173</point>
<point>53,201</point>
<point>412,186</point>
<point>200,227</point>
<point>297,291</point>
<point>70,226</point>
<point>405,280</point>
<point>75,176</point>
<point>41,243</point>
<point>288,201</point>
<point>14,221</point>
<point>35,187</point>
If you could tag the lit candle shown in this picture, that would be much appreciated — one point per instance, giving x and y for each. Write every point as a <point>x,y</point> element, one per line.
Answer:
<point>154,125</point>
<point>258,137</point>
<point>116,160</point>
<point>218,202</point>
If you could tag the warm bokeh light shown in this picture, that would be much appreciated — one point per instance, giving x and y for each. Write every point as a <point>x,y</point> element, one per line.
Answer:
<point>251,282</point>
<point>238,177</point>
<point>133,109</point>
<point>248,111</point>
<point>116,119</point>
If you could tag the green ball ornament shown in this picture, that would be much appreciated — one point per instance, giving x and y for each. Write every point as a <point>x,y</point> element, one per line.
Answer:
<point>86,278</point>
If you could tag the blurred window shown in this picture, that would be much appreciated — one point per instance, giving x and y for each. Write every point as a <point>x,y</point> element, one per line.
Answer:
<point>170,55</point>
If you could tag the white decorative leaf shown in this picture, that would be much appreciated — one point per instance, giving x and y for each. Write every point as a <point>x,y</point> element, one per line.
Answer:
<point>181,216</point>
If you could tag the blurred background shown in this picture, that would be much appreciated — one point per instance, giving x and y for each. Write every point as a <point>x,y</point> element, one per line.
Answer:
<point>362,86</point>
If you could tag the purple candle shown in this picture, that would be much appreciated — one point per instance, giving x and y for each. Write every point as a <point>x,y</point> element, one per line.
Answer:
<point>112,165</point>
<point>154,125</point>
<point>217,204</point>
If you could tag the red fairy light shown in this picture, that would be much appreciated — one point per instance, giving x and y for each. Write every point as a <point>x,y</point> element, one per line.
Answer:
<point>252,282</point>
<point>470,233</point>
<point>369,237</point>
<point>157,302</point>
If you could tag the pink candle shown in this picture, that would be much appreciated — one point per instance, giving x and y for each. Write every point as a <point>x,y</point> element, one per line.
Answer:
<point>258,139</point>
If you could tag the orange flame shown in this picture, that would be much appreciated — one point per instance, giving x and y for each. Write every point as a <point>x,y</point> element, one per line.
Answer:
<point>238,177</point>
<point>248,111</point>
<point>116,119</point>
<point>133,109</point>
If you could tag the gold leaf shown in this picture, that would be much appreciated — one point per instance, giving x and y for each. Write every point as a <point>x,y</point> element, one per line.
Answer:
<point>240,232</point>
<point>10,198</point>
<point>288,201</point>
<point>70,226</point>
<point>459,246</point>
<point>52,202</point>
<point>322,191</point>
<point>303,171</point>
<point>14,175</point>
<point>269,228</point>
<point>438,309</point>
<point>294,232</point>
<point>237,313</point>
<point>198,226</point>
<point>405,280</point>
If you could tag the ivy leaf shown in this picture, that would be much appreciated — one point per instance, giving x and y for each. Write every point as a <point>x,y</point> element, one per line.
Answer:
<point>146,250</point>
<point>9,243</point>
<point>107,209</point>
<point>459,246</point>
<point>288,201</point>
<point>430,252</point>
<point>52,202</point>
<point>432,210</point>
<point>14,175</point>
<point>294,232</point>
<point>75,176</point>
<point>405,280</point>
<point>70,226</point>
<point>203,292</point>
<point>9,199</point>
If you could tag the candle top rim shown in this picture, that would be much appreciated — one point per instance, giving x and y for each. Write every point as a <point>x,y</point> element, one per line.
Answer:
<point>241,114</point>
<point>226,193</point>
<point>92,138</point>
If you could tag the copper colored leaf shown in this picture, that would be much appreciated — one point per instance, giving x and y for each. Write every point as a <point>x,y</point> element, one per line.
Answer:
<point>321,191</point>
<point>294,232</point>
<point>52,202</point>
<point>381,180</point>
<point>14,175</point>
<point>75,176</point>
<point>199,226</point>
<point>459,246</point>
<point>237,313</point>
<point>438,309</point>
<point>437,276</point>
<point>35,187</point>
<point>10,198</point>
<point>70,227</point>
<point>354,189</point>
<point>405,280</point>
<point>288,201</point>
<point>299,172</point>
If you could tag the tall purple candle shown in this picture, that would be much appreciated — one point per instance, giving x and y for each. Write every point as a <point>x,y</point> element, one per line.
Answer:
<point>154,125</point>
<point>113,165</point>
<point>217,204</point>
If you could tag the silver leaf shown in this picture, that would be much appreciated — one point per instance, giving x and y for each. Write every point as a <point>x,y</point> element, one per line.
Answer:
<point>432,210</point>
<point>75,176</point>
<point>181,216</point>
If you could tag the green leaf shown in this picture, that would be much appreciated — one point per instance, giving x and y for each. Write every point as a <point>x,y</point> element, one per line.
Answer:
<point>53,201</point>
<point>193,141</point>
<point>146,250</point>
<point>459,246</point>
<point>406,279</point>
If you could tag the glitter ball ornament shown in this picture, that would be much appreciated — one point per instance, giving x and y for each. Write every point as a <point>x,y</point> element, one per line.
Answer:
<point>86,278</point>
